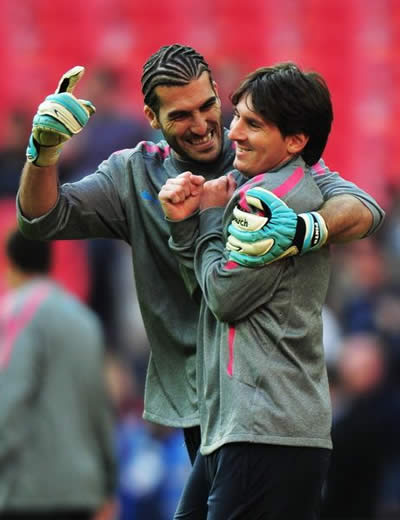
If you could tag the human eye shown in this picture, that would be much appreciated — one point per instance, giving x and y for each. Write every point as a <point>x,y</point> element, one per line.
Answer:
<point>253,123</point>
<point>177,116</point>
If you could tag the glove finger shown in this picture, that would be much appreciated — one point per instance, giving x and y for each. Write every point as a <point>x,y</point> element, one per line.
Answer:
<point>88,106</point>
<point>258,248</point>
<point>252,261</point>
<point>258,261</point>
<point>48,131</point>
<point>266,196</point>
<point>247,236</point>
<point>70,79</point>
<point>245,260</point>
<point>65,109</point>
<point>247,221</point>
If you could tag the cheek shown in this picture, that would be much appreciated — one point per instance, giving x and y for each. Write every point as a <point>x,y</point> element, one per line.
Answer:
<point>217,114</point>
<point>177,129</point>
<point>168,128</point>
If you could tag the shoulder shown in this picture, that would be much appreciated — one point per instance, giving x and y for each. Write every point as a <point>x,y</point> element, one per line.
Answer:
<point>146,149</point>
<point>283,181</point>
<point>294,184</point>
<point>160,150</point>
<point>69,313</point>
<point>144,152</point>
<point>25,308</point>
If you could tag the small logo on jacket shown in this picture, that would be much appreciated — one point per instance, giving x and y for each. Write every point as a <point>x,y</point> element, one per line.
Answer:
<point>148,196</point>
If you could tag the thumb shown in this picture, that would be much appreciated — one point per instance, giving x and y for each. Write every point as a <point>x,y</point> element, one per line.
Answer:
<point>197,179</point>
<point>70,79</point>
<point>231,181</point>
<point>231,184</point>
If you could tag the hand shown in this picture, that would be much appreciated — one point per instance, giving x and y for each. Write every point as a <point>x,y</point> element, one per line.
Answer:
<point>180,196</point>
<point>107,511</point>
<point>58,118</point>
<point>218,192</point>
<point>274,233</point>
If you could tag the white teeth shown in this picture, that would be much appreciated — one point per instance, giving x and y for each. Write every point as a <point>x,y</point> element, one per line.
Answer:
<point>202,140</point>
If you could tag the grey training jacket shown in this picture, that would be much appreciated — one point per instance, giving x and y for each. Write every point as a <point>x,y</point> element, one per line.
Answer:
<point>261,368</point>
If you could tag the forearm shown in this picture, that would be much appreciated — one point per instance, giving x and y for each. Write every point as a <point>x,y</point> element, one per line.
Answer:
<point>346,217</point>
<point>38,191</point>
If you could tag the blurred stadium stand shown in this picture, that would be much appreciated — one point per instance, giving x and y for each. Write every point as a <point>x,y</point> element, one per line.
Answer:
<point>355,44</point>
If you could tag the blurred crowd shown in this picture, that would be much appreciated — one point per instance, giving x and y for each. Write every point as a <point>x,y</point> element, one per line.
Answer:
<point>361,333</point>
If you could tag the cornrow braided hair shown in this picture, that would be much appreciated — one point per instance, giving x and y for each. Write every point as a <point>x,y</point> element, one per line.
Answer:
<point>172,65</point>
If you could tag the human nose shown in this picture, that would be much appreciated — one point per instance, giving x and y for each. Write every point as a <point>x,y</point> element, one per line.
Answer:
<point>199,124</point>
<point>236,131</point>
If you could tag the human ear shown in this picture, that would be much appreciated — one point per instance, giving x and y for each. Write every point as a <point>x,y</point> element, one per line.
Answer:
<point>215,88</point>
<point>296,143</point>
<point>151,117</point>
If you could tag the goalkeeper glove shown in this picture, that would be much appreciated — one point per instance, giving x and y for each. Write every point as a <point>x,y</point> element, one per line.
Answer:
<point>256,240</point>
<point>58,118</point>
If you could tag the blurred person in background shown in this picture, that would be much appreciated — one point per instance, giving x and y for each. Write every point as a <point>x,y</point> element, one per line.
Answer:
<point>365,277</point>
<point>365,294</point>
<point>12,151</point>
<point>152,460</point>
<point>120,200</point>
<point>57,459</point>
<point>387,323</point>
<point>364,476</point>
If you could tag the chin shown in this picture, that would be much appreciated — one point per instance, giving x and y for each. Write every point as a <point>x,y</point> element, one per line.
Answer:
<point>206,157</point>
<point>242,168</point>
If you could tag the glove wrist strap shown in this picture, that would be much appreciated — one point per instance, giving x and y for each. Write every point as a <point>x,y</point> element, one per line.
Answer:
<point>40,155</point>
<point>311,232</point>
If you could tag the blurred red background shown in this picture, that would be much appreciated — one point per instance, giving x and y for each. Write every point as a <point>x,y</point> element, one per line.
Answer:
<point>355,44</point>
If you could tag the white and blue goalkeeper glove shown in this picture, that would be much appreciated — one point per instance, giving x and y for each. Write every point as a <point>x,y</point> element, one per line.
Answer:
<point>58,118</point>
<point>274,231</point>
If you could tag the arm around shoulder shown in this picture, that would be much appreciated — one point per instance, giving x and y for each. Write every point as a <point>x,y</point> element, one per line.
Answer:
<point>349,212</point>
<point>348,218</point>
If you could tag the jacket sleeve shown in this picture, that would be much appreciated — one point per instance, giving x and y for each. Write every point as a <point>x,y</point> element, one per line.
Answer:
<point>332,184</point>
<point>183,236</point>
<point>231,291</point>
<point>89,208</point>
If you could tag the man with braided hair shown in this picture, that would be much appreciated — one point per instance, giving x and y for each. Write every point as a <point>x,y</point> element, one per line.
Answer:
<point>120,200</point>
<point>265,416</point>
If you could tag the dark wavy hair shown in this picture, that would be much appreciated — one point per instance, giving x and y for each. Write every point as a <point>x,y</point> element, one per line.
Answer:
<point>171,65</point>
<point>293,100</point>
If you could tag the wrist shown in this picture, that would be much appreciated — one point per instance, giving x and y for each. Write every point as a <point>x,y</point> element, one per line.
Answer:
<point>41,155</point>
<point>311,232</point>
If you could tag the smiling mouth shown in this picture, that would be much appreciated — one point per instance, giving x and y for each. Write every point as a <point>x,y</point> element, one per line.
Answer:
<point>202,141</point>
<point>239,149</point>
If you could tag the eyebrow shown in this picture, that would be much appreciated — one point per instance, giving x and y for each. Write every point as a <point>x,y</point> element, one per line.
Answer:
<point>176,113</point>
<point>249,119</point>
<point>253,119</point>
